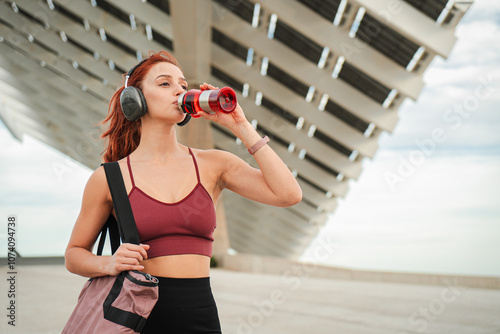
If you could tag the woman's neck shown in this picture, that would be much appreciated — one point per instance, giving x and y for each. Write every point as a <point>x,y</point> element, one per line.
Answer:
<point>158,142</point>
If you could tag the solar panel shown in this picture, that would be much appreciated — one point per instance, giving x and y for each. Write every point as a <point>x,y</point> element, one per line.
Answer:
<point>321,165</point>
<point>229,44</point>
<point>346,116</point>
<point>386,40</point>
<point>332,143</point>
<point>325,8</point>
<point>287,80</point>
<point>298,42</point>
<point>232,82</point>
<point>113,10</point>
<point>431,8</point>
<point>364,83</point>
<point>275,109</point>
<point>242,8</point>
<point>166,42</point>
<point>163,5</point>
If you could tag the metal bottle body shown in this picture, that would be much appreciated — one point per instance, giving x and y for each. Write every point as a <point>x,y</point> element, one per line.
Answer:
<point>210,101</point>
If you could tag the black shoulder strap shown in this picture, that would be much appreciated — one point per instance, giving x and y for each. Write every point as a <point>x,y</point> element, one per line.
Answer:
<point>114,235</point>
<point>126,227</point>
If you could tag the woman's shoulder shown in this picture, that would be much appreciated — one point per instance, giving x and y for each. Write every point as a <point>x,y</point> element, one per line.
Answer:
<point>213,155</point>
<point>100,174</point>
<point>98,178</point>
<point>97,185</point>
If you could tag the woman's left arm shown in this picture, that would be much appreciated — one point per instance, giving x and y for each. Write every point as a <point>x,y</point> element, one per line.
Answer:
<point>272,184</point>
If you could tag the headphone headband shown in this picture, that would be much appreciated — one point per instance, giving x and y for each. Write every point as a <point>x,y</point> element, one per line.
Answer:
<point>132,70</point>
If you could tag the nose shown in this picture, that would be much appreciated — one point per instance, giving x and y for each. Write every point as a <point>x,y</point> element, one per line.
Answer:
<point>179,90</point>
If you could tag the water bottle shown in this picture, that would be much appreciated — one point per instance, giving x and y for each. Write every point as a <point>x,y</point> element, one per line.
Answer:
<point>210,101</point>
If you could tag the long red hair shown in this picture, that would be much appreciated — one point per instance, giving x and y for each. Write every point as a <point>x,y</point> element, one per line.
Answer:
<point>122,136</point>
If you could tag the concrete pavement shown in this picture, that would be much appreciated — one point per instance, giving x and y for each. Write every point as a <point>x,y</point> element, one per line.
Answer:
<point>292,302</point>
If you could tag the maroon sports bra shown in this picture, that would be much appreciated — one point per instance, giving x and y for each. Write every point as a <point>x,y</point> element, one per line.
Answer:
<point>183,227</point>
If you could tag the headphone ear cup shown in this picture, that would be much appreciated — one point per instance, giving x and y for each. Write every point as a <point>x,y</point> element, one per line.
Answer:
<point>185,120</point>
<point>133,103</point>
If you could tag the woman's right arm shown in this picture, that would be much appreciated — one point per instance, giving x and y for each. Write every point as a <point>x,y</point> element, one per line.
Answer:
<point>96,208</point>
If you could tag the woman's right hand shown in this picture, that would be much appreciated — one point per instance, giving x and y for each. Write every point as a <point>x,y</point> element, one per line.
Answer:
<point>127,257</point>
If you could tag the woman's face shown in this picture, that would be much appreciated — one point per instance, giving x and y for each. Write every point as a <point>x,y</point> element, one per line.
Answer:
<point>161,87</point>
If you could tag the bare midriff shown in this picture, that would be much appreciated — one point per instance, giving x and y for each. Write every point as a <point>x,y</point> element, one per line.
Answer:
<point>178,266</point>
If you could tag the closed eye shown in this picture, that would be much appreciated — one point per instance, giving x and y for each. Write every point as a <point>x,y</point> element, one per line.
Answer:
<point>166,84</point>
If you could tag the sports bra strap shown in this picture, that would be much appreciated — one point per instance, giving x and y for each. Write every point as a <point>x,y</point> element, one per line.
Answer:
<point>195,165</point>
<point>192,155</point>
<point>130,171</point>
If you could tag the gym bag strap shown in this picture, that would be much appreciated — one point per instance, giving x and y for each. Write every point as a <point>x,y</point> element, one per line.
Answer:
<point>122,303</point>
<point>127,228</point>
<point>114,235</point>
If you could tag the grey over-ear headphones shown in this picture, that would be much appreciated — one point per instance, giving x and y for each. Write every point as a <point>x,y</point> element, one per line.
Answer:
<point>133,102</point>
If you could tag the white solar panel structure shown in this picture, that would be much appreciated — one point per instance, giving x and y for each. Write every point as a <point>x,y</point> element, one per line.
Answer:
<point>322,78</point>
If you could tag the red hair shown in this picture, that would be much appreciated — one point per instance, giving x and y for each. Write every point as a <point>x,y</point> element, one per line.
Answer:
<point>123,136</point>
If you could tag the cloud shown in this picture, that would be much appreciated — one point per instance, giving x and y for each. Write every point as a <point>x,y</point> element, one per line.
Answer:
<point>482,10</point>
<point>443,218</point>
<point>477,45</point>
<point>473,129</point>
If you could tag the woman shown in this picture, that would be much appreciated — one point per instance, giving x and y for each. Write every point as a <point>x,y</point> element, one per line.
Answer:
<point>172,191</point>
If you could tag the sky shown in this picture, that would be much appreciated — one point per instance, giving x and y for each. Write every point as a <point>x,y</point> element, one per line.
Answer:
<point>429,201</point>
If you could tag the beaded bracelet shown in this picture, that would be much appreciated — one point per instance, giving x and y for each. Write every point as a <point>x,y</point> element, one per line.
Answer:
<point>263,141</point>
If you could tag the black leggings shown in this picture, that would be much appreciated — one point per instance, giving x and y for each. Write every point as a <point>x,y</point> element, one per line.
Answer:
<point>186,305</point>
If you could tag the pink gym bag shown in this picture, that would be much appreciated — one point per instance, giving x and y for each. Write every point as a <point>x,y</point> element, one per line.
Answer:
<point>115,304</point>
